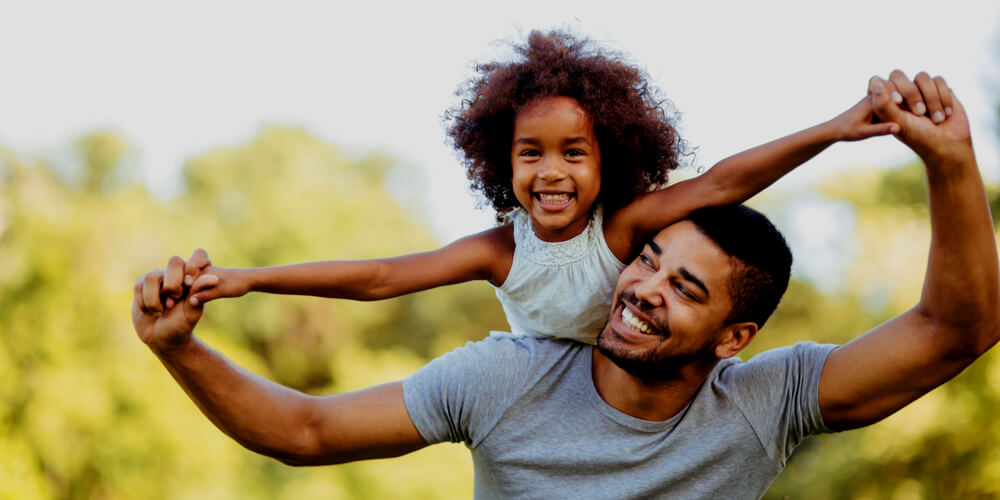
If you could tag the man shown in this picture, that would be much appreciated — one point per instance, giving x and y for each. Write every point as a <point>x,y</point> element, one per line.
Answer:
<point>660,407</point>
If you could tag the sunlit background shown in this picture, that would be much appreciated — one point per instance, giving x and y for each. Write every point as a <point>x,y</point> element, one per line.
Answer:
<point>270,134</point>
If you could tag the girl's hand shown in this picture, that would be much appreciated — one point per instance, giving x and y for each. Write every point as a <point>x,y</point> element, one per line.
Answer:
<point>861,122</point>
<point>231,283</point>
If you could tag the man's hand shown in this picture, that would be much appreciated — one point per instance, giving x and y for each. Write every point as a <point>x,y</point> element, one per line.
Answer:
<point>937,129</point>
<point>162,317</point>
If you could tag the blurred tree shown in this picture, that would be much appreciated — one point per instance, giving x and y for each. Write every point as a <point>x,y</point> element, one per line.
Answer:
<point>85,410</point>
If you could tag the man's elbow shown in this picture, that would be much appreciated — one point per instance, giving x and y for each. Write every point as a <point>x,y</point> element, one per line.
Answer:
<point>971,337</point>
<point>304,455</point>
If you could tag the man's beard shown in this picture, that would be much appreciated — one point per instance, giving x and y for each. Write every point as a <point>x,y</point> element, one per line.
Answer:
<point>648,366</point>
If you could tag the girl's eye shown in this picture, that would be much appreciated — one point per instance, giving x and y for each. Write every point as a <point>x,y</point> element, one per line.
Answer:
<point>645,260</point>
<point>575,152</point>
<point>529,152</point>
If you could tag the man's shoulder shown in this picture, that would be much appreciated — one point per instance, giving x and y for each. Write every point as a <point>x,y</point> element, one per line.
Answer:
<point>502,348</point>
<point>521,346</point>
<point>780,360</point>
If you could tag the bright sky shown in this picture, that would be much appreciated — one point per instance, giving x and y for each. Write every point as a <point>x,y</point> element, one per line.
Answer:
<point>179,78</point>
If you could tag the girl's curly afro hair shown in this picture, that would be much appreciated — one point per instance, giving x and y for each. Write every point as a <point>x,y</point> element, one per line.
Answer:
<point>638,141</point>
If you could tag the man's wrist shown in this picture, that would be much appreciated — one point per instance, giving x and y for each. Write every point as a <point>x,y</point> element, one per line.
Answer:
<point>173,348</point>
<point>944,160</point>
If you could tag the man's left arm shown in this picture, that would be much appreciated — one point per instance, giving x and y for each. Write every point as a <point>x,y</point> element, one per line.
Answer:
<point>956,319</point>
<point>263,416</point>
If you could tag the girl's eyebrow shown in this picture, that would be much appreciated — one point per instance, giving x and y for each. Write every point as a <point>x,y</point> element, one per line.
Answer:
<point>526,140</point>
<point>571,140</point>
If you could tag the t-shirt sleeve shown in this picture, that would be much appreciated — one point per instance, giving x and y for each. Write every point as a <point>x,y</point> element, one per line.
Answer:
<point>778,393</point>
<point>460,396</point>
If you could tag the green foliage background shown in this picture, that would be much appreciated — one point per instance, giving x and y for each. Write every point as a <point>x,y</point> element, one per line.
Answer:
<point>87,412</point>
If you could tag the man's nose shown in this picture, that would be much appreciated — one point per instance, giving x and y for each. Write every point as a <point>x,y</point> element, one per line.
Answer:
<point>649,292</point>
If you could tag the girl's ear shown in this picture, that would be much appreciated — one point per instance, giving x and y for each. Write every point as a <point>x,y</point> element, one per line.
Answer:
<point>734,338</point>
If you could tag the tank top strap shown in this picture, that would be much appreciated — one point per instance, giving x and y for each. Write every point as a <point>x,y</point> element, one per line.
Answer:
<point>556,253</point>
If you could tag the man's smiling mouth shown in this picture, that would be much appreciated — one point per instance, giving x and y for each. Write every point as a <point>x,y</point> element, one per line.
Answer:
<point>633,322</point>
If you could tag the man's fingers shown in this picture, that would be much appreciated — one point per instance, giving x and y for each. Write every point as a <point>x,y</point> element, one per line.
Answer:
<point>929,93</point>
<point>151,283</point>
<point>947,100</point>
<point>202,289</point>
<point>173,279</point>
<point>137,296</point>
<point>909,92</point>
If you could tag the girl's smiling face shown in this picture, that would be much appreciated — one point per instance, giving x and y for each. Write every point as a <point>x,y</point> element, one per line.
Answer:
<point>556,166</point>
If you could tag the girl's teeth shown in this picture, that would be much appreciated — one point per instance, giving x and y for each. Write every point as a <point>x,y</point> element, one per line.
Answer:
<point>637,324</point>
<point>553,198</point>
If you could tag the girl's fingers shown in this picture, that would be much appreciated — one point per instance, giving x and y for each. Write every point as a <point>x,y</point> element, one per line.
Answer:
<point>947,100</point>
<point>877,129</point>
<point>908,94</point>
<point>203,283</point>
<point>883,101</point>
<point>929,93</point>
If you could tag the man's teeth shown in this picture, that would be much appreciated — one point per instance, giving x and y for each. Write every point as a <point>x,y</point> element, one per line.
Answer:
<point>553,198</point>
<point>637,324</point>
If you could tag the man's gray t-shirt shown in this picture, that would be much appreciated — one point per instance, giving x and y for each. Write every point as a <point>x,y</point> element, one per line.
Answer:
<point>528,411</point>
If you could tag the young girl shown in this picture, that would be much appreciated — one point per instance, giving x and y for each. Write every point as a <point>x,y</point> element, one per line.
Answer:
<point>567,144</point>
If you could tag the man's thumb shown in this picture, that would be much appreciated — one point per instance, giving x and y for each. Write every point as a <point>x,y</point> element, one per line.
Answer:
<point>192,313</point>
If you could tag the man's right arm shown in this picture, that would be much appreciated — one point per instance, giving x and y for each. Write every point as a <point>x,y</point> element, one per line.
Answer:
<point>956,319</point>
<point>265,417</point>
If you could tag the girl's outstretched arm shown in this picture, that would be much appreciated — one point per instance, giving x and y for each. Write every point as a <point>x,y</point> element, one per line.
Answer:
<point>736,178</point>
<point>482,256</point>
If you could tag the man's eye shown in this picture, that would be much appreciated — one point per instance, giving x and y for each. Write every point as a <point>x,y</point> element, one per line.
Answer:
<point>645,260</point>
<point>684,291</point>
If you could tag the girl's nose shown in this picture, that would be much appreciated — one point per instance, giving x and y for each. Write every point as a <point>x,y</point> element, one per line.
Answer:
<point>552,170</point>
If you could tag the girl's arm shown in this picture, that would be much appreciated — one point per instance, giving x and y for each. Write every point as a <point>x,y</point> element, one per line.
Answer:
<point>736,178</point>
<point>482,256</point>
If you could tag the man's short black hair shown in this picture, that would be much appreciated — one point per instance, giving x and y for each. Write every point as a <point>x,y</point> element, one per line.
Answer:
<point>760,258</point>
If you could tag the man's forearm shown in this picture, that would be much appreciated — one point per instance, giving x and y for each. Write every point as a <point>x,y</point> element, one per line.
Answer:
<point>259,414</point>
<point>961,289</point>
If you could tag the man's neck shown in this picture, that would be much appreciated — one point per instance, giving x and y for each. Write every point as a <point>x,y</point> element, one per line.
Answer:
<point>654,401</point>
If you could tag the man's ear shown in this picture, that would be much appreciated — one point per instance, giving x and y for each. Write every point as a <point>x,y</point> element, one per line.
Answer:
<point>735,337</point>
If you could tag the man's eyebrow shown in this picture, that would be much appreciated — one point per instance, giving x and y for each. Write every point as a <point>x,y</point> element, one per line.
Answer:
<point>654,247</point>
<point>690,277</point>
